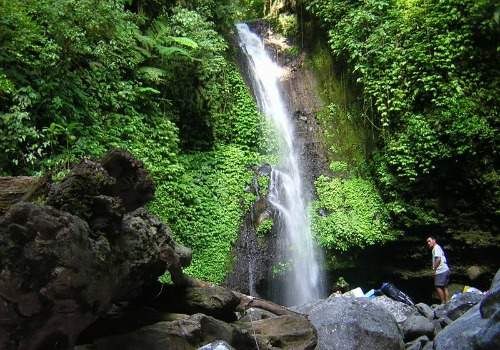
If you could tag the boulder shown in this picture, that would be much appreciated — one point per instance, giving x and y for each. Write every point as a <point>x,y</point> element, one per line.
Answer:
<point>198,330</point>
<point>62,266</point>
<point>489,308</point>
<point>255,314</point>
<point>458,305</point>
<point>417,344</point>
<point>353,323</point>
<point>210,300</point>
<point>190,333</point>
<point>488,338</point>
<point>51,282</point>
<point>132,184</point>
<point>460,335</point>
<point>425,310</point>
<point>415,326</point>
<point>101,192</point>
<point>490,305</point>
<point>280,332</point>
<point>399,310</point>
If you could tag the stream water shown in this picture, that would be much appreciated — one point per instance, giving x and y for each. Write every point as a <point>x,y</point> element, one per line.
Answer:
<point>298,255</point>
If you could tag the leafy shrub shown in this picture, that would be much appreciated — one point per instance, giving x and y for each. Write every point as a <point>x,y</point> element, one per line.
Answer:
<point>349,213</point>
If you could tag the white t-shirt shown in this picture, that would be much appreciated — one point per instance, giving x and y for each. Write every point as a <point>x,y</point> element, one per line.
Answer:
<point>437,252</point>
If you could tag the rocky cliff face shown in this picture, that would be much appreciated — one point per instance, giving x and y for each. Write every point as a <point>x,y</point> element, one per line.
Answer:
<point>405,262</point>
<point>255,253</point>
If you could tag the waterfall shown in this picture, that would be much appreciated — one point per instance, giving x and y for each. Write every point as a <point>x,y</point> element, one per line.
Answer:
<point>303,281</point>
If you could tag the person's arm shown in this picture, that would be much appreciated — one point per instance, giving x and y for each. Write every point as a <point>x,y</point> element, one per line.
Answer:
<point>437,261</point>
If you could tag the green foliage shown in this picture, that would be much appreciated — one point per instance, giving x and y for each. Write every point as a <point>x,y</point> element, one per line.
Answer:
<point>265,227</point>
<point>280,268</point>
<point>349,213</point>
<point>338,167</point>
<point>430,84</point>
<point>166,278</point>
<point>80,77</point>
<point>205,204</point>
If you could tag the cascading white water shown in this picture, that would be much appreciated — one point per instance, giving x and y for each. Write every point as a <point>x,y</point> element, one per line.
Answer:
<point>287,195</point>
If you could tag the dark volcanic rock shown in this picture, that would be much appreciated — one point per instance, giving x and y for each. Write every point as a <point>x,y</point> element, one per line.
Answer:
<point>101,193</point>
<point>213,301</point>
<point>132,184</point>
<point>61,268</point>
<point>50,287</point>
<point>283,332</point>
<point>186,334</point>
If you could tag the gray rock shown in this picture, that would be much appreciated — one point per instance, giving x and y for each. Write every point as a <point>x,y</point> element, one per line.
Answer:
<point>496,280</point>
<point>425,310</point>
<point>458,305</point>
<point>490,304</point>
<point>217,345</point>
<point>417,344</point>
<point>255,314</point>
<point>416,326</point>
<point>399,310</point>
<point>353,323</point>
<point>428,346</point>
<point>437,326</point>
<point>461,334</point>
<point>488,338</point>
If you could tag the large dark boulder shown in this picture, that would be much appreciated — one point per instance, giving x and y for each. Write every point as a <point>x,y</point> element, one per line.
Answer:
<point>214,301</point>
<point>184,334</point>
<point>281,332</point>
<point>102,192</point>
<point>51,284</point>
<point>62,266</point>
<point>132,184</point>
<point>353,323</point>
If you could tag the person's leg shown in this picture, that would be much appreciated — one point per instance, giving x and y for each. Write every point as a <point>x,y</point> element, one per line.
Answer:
<point>440,293</point>
<point>446,295</point>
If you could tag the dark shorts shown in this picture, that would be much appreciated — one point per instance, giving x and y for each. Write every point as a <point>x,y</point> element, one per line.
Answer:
<point>442,279</point>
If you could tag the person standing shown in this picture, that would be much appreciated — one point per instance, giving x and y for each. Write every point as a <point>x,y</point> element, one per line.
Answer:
<point>440,268</point>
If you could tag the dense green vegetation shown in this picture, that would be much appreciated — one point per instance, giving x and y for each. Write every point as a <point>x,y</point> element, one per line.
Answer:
<point>78,78</point>
<point>429,84</point>
<point>410,115</point>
